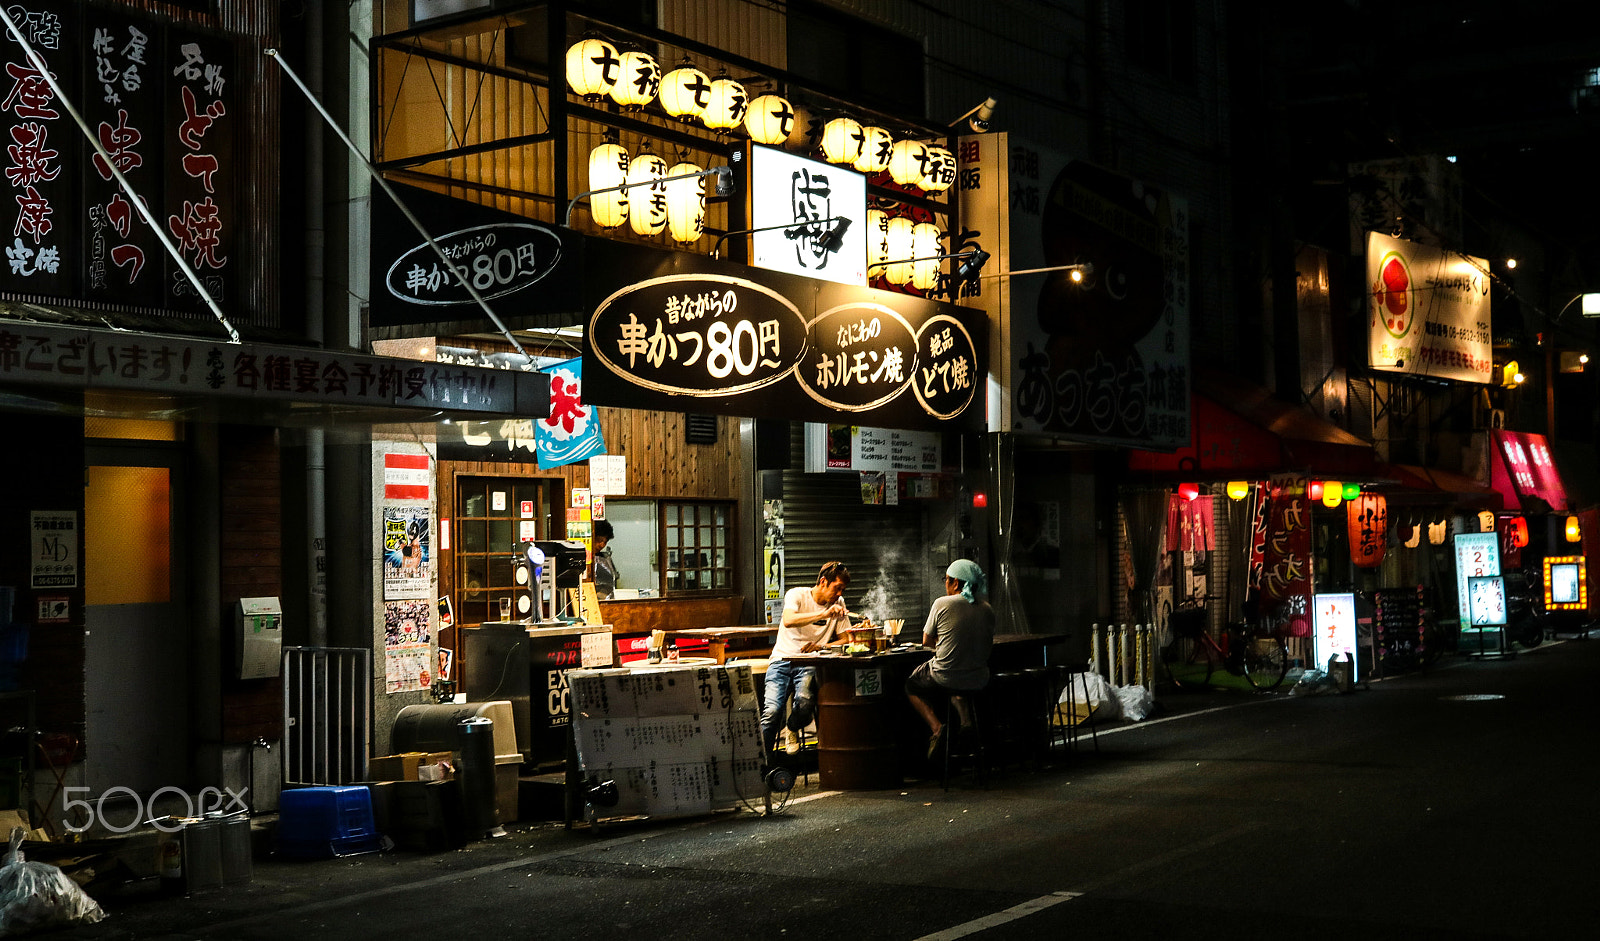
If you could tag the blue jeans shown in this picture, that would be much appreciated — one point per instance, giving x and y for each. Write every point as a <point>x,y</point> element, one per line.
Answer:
<point>786,678</point>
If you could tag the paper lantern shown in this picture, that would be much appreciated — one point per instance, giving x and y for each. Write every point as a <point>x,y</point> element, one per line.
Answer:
<point>725,106</point>
<point>908,162</point>
<point>1314,489</point>
<point>686,203</point>
<point>769,120</point>
<point>1351,491</point>
<point>1437,532</point>
<point>1574,530</point>
<point>941,171</point>
<point>841,141</point>
<point>876,146</point>
<point>592,68</point>
<point>1332,493</point>
<point>925,246</point>
<point>1415,539</point>
<point>685,92</point>
<point>1517,530</point>
<point>877,240</point>
<point>1485,521</point>
<point>1367,525</point>
<point>1238,489</point>
<point>899,242</point>
<point>647,195</point>
<point>608,166</point>
<point>638,80</point>
<point>1189,491</point>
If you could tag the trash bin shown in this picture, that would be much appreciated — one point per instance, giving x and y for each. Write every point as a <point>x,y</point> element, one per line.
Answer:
<point>432,727</point>
<point>476,772</point>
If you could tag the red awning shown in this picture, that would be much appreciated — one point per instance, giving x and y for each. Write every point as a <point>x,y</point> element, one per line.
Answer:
<point>1410,484</point>
<point>1524,473</point>
<point>1242,432</point>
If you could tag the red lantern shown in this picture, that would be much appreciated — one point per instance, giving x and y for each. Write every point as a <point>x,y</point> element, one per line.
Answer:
<point>1314,490</point>
<point>1367,525</point>
<point>1517,528</point>
<point>1188,491</point>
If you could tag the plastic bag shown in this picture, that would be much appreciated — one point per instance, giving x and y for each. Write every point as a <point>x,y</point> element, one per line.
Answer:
<point>1314,683</point>
<point>1074,707</point>
<point>39,895</point>
<point>1135,702</point>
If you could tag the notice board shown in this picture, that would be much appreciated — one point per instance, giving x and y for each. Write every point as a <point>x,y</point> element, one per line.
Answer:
<point>676,741</point>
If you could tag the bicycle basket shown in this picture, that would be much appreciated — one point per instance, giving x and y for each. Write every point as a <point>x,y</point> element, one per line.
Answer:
<point>1187,621</point>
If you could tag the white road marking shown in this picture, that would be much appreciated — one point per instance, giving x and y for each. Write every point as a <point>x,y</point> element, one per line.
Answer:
<point>999,918</point>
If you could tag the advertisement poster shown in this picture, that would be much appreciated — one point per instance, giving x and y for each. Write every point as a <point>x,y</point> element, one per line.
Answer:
<point>1334,621</point>
<point>407,568</point>
<point>53,535</point>
<point>407,645</point>
<point>1477,556</point>
<point>572,432</point>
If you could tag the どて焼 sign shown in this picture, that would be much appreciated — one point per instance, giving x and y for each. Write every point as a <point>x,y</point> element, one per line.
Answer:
<point>785,347</point>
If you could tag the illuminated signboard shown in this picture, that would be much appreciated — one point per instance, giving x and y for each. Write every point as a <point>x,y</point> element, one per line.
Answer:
<point>1566,585</point>
<point>789,196</point>
<point>1477,555</point>
<point>1486,600</point>
<point>1531,467</point>
<point>1334,630</point>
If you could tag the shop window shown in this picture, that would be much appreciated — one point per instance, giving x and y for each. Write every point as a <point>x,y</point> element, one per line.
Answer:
<point>494,518</point>
<point>671,548</point>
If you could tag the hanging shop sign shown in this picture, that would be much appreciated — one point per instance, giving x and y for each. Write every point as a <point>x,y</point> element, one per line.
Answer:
<point>1286,566</point>
<point>1367,526</point>
<point>1529,471</point>
<point>1427,311</point>
<point>810,217</point>
<point>687,329</point>
<point>1477,556</point>
<point>500,255</point>
<point>1104,357</point>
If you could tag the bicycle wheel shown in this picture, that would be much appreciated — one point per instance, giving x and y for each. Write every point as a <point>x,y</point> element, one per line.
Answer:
<point>1266,661</point>
<point>1189,662</point>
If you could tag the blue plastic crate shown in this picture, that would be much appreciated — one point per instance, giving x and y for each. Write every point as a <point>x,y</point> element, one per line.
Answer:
<point>323,822</point>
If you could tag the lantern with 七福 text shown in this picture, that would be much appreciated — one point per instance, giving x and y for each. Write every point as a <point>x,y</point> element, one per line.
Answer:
<point>1367,525</point>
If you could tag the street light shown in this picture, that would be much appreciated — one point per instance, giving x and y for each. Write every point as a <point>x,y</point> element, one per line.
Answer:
<point>968,270</point>
<point>724,177</point>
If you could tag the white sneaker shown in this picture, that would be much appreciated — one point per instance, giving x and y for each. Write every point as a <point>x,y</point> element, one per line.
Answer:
<point>791,742</point>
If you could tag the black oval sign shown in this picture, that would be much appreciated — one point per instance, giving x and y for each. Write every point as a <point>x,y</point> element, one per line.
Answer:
<point>948,372</point>
<point>862,355</point>
<point>496,260</point>
<point>698,334</point>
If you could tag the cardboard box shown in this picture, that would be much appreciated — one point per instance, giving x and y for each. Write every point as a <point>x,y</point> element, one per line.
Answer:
<point>405,767</point>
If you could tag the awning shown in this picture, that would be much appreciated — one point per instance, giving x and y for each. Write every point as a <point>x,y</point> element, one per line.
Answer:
<point>1408,484</point>
<point>1242,432</point>
<point>50,368</point>
<point>1523,472</point>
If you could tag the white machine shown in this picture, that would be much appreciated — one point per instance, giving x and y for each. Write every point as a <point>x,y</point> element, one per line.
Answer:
<point>260,646</point>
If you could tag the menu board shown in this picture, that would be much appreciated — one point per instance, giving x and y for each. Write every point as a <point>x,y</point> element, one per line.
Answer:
<point>1397,628</point>
<point>674,740</point>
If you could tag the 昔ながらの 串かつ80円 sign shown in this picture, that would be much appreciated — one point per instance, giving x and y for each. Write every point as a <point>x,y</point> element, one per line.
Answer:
<point>738,347</point>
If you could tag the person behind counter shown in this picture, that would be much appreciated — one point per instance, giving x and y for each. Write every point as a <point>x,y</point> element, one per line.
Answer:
<point>605,568</point>
<point>960,630</point>
<point>811,617</point>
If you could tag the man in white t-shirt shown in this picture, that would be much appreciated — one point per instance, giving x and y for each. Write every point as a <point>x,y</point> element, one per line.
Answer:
<point>811,617</point>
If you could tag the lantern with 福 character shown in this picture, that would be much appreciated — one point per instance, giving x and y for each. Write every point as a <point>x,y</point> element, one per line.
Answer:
<point>638,80</point>
<point>1367,525</point>
<point>877,144</point>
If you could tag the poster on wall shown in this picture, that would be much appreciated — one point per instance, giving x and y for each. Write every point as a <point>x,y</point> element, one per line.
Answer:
<point>407,566</point>
<point>407,645</point>
<point>53,538</point>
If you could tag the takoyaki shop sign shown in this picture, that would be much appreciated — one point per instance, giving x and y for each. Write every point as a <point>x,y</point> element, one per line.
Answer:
<point>688,333</point>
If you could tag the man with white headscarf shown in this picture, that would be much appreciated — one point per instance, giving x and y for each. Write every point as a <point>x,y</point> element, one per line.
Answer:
<point>960,629</point>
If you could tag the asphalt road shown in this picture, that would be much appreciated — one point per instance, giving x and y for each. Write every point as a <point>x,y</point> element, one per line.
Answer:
<point>1400,811</point>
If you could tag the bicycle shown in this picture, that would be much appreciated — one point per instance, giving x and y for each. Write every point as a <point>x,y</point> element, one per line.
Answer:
<point>1191,655</point>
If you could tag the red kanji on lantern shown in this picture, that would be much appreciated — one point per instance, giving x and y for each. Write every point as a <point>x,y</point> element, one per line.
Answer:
<point>1367,524</point>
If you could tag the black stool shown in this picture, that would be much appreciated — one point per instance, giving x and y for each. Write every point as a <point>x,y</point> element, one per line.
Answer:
<point>952,731</point>
<point>1035,709</point>
<point>1070,733</point>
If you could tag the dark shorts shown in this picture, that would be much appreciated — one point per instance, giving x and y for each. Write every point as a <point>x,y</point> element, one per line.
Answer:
<point>921,683</point>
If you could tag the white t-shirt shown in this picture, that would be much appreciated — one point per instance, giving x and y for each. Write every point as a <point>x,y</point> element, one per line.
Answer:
<point>792,640</point>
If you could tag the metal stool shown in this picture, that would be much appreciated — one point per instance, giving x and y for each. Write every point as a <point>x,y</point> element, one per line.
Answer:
<point>952,721</point>
<point>1071,732</point>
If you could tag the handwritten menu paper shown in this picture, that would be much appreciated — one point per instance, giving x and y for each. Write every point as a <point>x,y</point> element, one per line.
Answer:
<point>675,740</point>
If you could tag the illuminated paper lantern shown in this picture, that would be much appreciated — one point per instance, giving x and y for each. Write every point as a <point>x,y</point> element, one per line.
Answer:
<point>1517,529</point>
<point>726,105</point>
<point>899,238</point>
<point>877,144</point>
<point>1437,532</point>
<point>1574,530</point>
<point>1415,539</point>
<point>1485,521</point>
<point>1351,491</point>
<point>686,203</point>
<point>647,195</point>
<point>941,171</point>
<point>925,246</point>
<point>638,80</point>
<point>608,166</point>
<point>1367,525</point>
<point>685,92</point>
<point>841,141</point>
<point>1238,489</point>
<point>908,162</point>
<point>592,68</point>
<point>1332,493</point>
<point>769,120</point>
<point>1189,491</point>
<point>877,241</point>
<point>1314,489</point>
